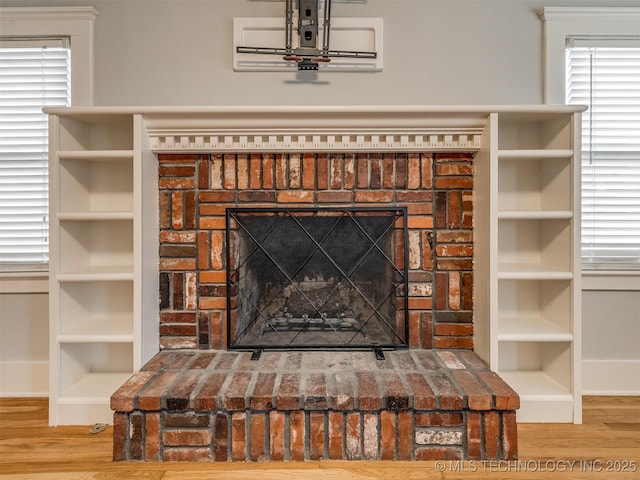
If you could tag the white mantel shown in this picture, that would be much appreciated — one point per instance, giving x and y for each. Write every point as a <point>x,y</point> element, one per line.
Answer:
<point>321,128</point>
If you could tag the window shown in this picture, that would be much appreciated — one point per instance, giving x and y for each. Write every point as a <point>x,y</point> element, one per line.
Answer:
<point>605,76</point>
<point>576,42</point>
<point>67,35</point>
<point>31,77</point>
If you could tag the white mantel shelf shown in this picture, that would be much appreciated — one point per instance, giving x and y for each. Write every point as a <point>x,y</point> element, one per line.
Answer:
<point>320,128</point>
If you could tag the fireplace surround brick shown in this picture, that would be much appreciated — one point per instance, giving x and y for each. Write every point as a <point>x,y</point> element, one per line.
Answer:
<point>195,191</point>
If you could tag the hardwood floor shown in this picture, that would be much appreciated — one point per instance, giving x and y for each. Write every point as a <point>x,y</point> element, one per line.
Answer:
<point>605,446</point>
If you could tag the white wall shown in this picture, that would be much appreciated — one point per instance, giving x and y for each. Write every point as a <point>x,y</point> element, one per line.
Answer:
<point>179,52</point>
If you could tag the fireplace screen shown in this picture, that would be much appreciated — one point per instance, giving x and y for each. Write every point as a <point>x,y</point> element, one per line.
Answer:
<point>316,278</point>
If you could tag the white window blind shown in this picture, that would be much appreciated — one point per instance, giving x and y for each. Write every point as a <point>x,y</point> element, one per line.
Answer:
<point>607,79</point>
<point>30,79</point>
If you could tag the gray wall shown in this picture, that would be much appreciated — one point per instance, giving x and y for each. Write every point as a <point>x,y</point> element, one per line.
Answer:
<point>179,52</point>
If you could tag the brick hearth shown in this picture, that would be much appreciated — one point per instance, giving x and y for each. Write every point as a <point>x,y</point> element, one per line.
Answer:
<point>199,405</point>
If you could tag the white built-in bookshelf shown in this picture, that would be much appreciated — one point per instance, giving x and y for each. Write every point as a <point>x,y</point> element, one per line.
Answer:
<point>104,251</point>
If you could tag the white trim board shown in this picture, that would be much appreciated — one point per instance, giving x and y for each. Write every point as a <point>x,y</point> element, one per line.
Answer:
<point>611,377</point>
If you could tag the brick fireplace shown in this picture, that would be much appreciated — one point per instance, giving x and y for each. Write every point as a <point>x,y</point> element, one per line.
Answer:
<point>196,190</point>
<point>197,401</point>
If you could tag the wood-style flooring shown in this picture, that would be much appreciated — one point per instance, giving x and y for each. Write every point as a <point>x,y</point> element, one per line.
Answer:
<point>605,446</point>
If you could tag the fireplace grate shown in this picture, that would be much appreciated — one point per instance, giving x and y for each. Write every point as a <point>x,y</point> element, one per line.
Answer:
<point>316,278</point>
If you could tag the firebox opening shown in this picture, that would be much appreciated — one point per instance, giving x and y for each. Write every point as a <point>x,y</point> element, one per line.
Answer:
<point>317,278</point>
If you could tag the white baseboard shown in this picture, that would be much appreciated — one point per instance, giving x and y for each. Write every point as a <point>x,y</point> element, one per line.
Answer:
<point>24,379</point>
<point>611,377</point>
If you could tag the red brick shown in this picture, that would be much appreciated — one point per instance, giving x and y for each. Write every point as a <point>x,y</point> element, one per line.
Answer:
<point>187,438</point>
<point>370,434</point>
<point>439,453</point>
<point>276,436</point>
<point>183,454</point>
<point>453,342</point>
<point>509,436</point>
<point>177,398</point>
<point>395,395</point>
<point>454,236</point>
<point>203,250</point>
<point>135,436</point>
<point>474,436</point>
<point>217,197</point>
<point>505,397</point>
<point>152,437</point>
<point>262,396</point>
<point>177,221</point>
<point>288,392</point>
<point>229,171</point>
<point>256,196</point>
<point>294,170</point>
<point>375,171</point>
<point>149,397</point>
<point>221,434</point>
<point>387,435</point>
<point>164,208</point>
<point>353,450</point>
<point>388,177</point>
<point>401,170</point>
<point>445,391</point>
<point>413,171</point>
<point>453,182</point>
<point>217,172</point>
<point>295,196</point>
<point>369,394</point>
<point>203,172</point>
<point>467,291</point>
<point>218,330</point>
<point>423,397</point>
<point>454,250</point>
<point>234,396</point>
<point>120,427</point>
<point>308,171</point>
<point>491,435</point>
<point>258,437</point>
<point>212,223</point>
<point>176,183</point>
<point>439,419</point>
<point>478,398</point>
<point>281,165</point>
<point>427,170</point>
<point>177,237</point>
<point>415,329</point>
<point>173,158</point>
<point>323,171</point>
<point>381,196</point>
<point>267,171</point>
<point>334,197</point>
<point>255,171</point>
<point>297,435</point>
<point>122,399</point>
<point>362,171</point>
<point>420,303</point>
<point>314,394</point>
<point>454,264</point>
<point>336,172</point>
<point>454,329</point>
<point>405,436</point>
<point>427,329</point>
<point>420,222</point>
<point>349,172</point>
<point>239,437</point>
<point>454,202</point>
<point>427,253</point>
<point>206,400</point>
<point>316,435</point>
<point>336,423</point>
